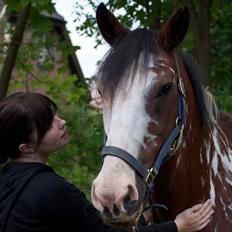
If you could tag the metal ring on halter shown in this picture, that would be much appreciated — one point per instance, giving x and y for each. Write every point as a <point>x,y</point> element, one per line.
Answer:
<point>178,122</point>
<point>151,174</point>
<point>181,86</point>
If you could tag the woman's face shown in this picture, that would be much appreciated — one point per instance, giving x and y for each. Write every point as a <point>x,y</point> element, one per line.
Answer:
<point>55,138</point>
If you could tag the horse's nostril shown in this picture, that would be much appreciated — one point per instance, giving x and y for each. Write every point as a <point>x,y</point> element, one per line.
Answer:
<point>116,210</point>
<point>129,205</point>
<point>107,213</point>
<point>126,199</point>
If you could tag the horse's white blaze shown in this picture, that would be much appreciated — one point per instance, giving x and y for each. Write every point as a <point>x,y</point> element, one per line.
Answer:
<point>127,123</point>
<point>126,126</point>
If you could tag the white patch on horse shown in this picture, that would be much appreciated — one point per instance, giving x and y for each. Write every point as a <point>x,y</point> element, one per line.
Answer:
<point>215,164</point>
<point>150,139</point>
<point>178,162</point>
<point>221,168</point>
<point>212,192</point>
<point>201,157</point>
<point>225,156</point>
<point>228,181</point>
<point>184,144</point>
<point>207,152</point>
<point>202,181</point>
<point>230,207</point>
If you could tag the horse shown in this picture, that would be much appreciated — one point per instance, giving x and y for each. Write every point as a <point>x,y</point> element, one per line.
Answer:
<point>164,143</point>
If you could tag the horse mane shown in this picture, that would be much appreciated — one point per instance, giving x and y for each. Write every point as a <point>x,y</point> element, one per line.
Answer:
<point>208,111</point>
<point>212,106</point>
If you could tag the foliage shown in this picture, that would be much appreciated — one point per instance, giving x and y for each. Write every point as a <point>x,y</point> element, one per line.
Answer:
<point>39,5</point>
<point>41,65</point>
<point>221,32</point>
<point>130,13</point>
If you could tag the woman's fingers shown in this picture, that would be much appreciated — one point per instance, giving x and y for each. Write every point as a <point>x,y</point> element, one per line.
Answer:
<point>196,207</point>
<point>203,215</point>
<point>208,212</point>
<point>204,224</point>
<point>205,209</point>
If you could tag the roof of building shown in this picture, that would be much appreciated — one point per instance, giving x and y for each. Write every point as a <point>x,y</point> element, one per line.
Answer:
<point>60,26</point>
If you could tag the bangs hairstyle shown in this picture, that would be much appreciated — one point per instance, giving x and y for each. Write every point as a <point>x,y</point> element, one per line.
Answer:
<point>23,115</point>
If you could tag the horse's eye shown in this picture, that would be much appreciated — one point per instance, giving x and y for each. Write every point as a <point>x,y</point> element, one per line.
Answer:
<point>164,90</point>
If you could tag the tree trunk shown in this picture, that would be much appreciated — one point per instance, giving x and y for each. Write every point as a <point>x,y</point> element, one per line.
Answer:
<point>12,52</point>
<point>200,23</point>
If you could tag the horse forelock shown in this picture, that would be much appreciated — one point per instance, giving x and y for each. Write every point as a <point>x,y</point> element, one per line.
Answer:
<point>129,56</point>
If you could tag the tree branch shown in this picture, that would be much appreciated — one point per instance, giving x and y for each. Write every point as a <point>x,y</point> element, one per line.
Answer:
<point>194,17</point>
<point>12,52</point>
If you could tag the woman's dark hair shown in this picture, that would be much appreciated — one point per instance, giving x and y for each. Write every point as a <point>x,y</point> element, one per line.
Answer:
<point>22,115</point>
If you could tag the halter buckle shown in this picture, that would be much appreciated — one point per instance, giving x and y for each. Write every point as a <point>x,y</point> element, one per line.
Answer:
<point>178,122</point>
<point>151,174</point>
<point>181,87</point>
<point>173,146</point>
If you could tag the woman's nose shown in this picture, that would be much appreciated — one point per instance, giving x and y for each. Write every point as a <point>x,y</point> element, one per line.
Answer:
<point>61,121</point>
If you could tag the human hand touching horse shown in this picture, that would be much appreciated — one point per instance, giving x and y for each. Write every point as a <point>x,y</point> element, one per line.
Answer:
<point>194,218</point>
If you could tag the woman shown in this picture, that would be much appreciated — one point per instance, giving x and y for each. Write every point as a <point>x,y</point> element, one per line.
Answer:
<point>32,196</point>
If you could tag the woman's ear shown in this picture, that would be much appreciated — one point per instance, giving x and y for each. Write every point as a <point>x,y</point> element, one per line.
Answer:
<point>26,148</point>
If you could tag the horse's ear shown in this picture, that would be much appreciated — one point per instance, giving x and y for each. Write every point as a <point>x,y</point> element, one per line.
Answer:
<point>108,25</point>
<point>175,30</point>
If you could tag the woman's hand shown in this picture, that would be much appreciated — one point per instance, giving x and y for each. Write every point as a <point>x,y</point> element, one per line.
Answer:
<point>195,218</point>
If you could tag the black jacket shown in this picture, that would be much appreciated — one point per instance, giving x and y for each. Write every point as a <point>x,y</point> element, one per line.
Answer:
<point>34,198</point>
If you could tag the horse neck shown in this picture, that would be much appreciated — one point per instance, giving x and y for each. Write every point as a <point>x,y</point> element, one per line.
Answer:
<point>201,168</point>
<point>207,152</point>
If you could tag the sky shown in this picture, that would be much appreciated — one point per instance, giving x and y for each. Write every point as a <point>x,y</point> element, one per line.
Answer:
<point>87,55</point>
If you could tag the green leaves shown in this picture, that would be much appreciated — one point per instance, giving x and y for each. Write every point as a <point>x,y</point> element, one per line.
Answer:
<point>37,4</point>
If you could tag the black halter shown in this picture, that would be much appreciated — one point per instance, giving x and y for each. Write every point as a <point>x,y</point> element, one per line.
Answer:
<point>170,143</point>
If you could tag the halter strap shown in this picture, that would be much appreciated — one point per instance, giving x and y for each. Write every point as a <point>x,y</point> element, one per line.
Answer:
<point>169,144</point>
<point>127,157</point>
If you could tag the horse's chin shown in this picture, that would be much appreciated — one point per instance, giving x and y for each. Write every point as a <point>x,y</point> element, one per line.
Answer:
<point>125,222</point>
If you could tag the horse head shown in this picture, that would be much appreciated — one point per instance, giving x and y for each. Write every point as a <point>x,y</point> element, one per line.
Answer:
<point>143,98</point>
